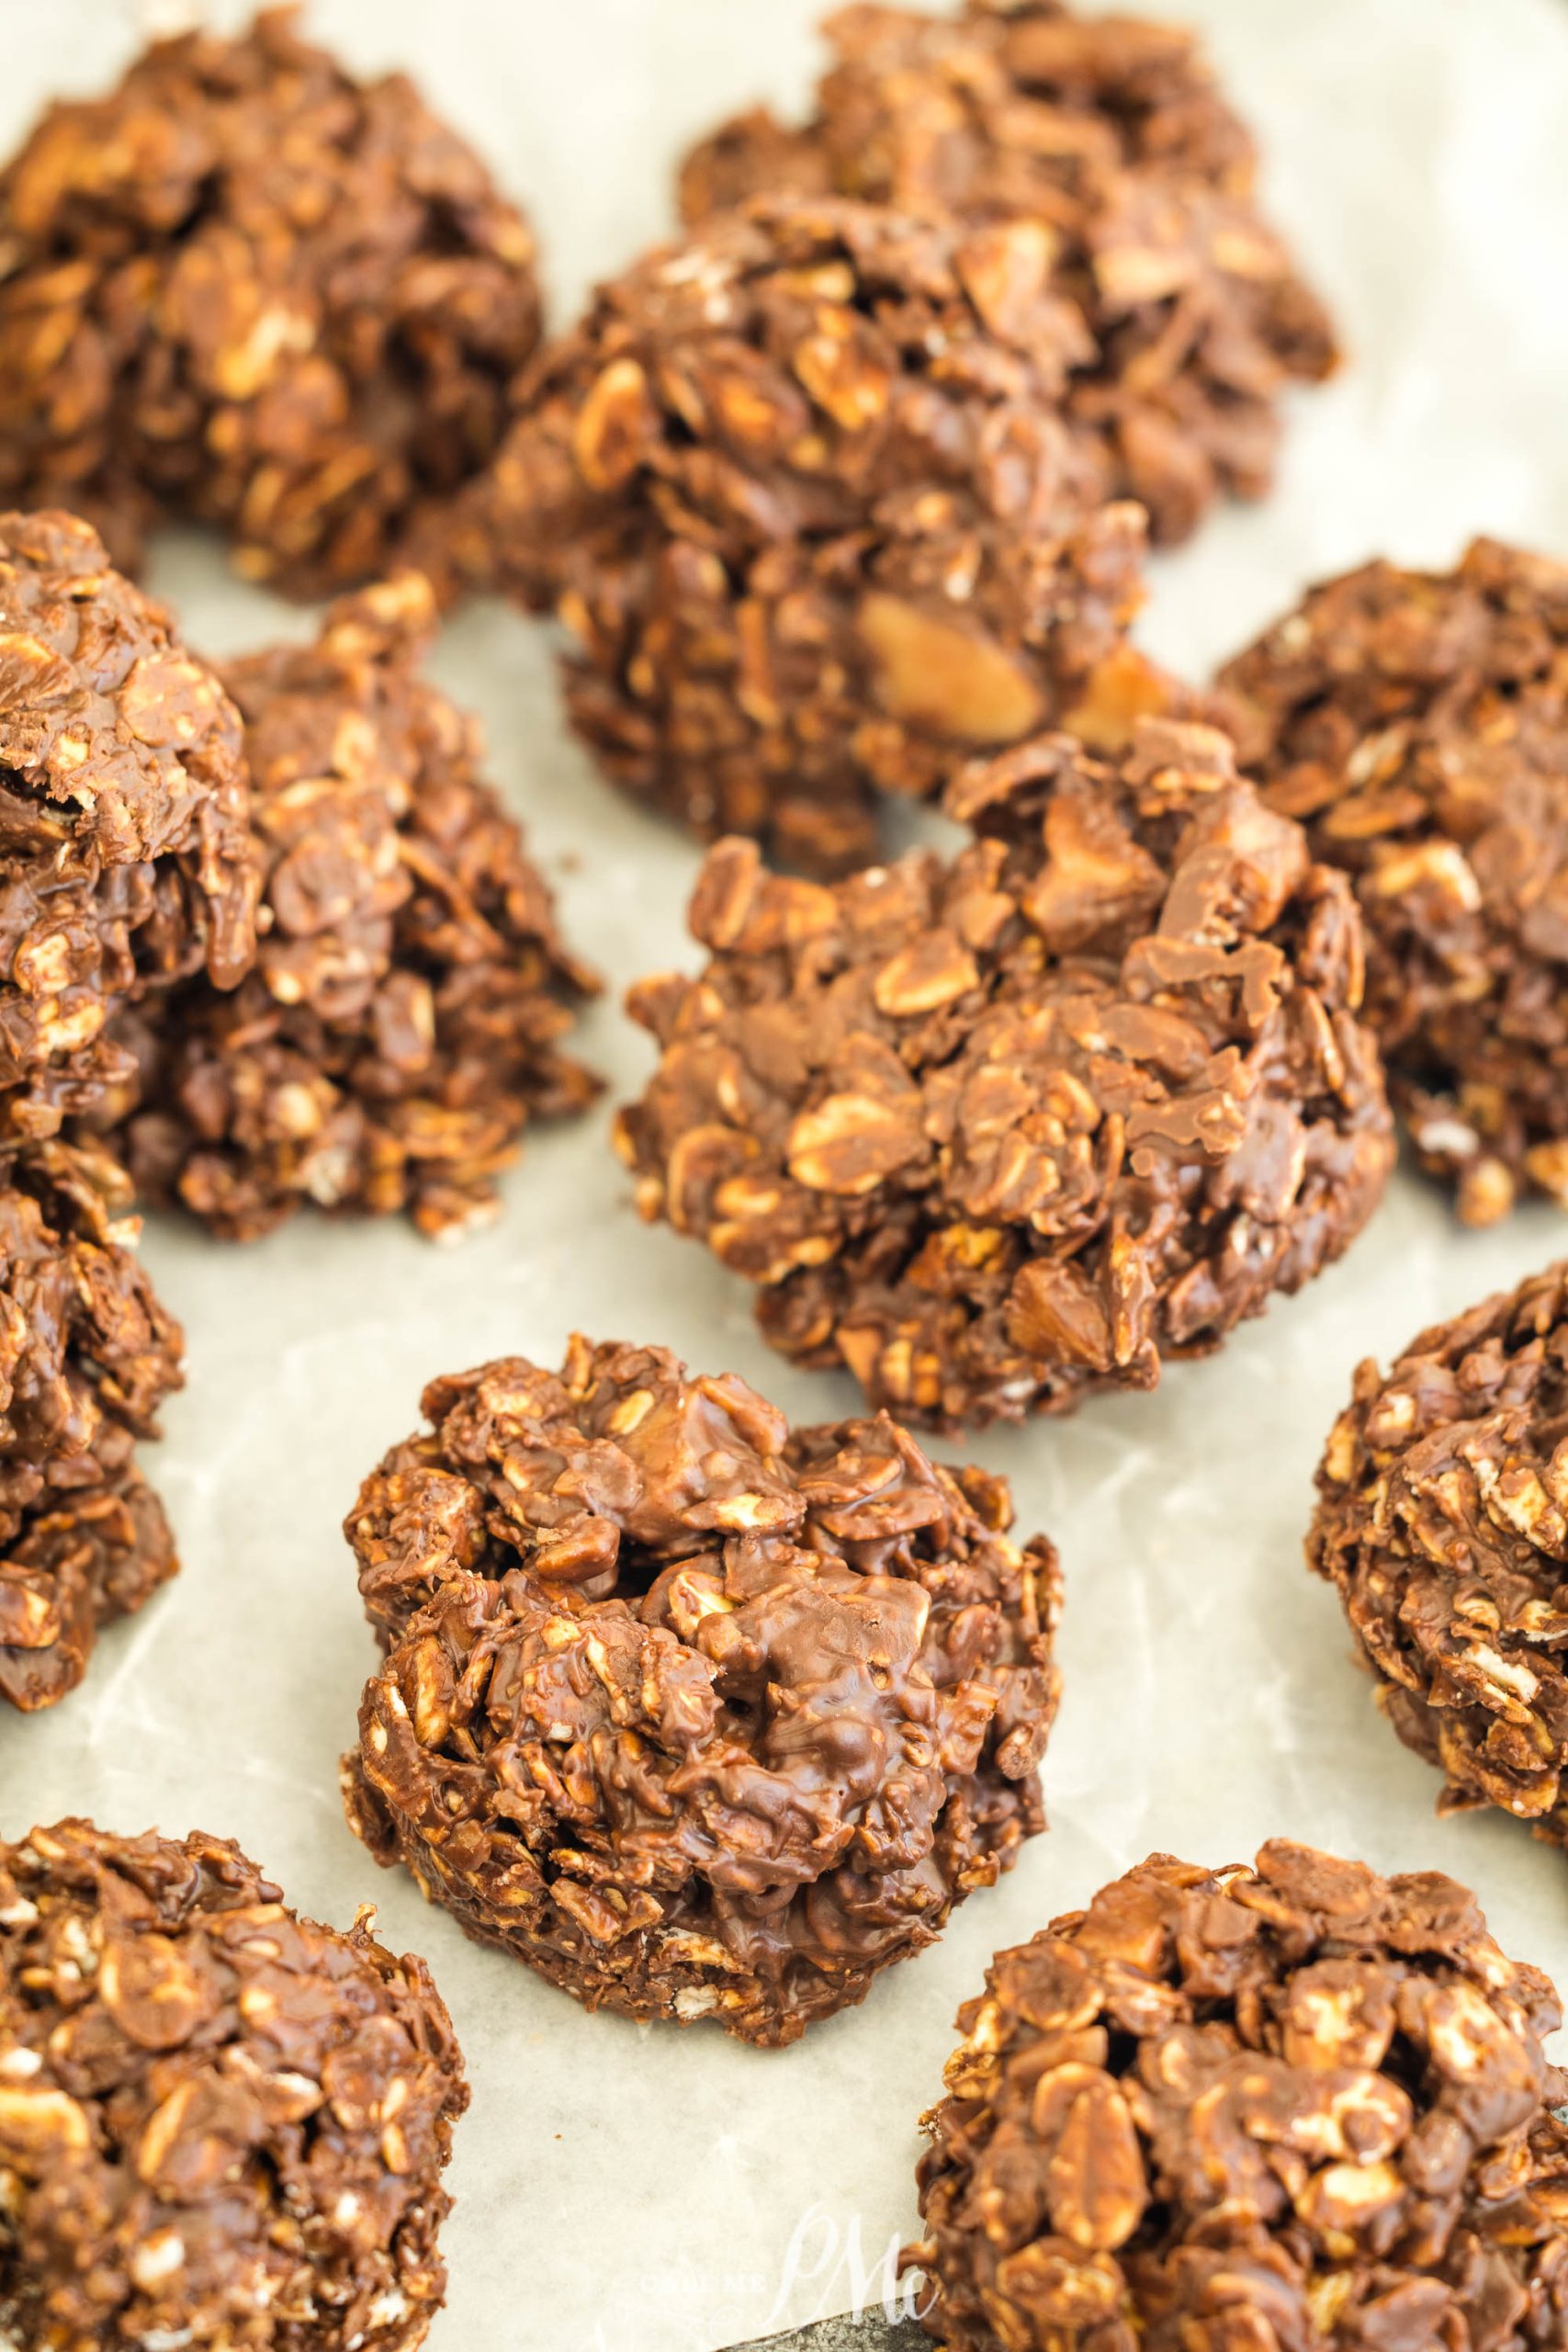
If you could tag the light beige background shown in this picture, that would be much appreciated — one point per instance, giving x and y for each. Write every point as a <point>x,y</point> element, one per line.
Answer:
<point>634,2190</point>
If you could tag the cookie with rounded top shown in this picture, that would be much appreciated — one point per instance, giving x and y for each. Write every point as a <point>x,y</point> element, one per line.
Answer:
<point>997,1129</point>
<point>220,2122</point>
<point>244,287</point>
<point>698,1714</point>
<point>402,1024</point>
<point>124,853</point>
<point>799,489</point>
<point>1105,142</point>
<point>1417,723</point>
<point>1290,2104</point>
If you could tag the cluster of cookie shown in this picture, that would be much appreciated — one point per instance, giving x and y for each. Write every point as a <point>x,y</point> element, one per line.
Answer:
<point>840,486</point>
<point>846,486</point>
<point>1296,2104</point>
<point>846,483</point>
<point>991,1129</point>
<point>843,494</point>
<point>268,936</point>
<point>706,1717</point>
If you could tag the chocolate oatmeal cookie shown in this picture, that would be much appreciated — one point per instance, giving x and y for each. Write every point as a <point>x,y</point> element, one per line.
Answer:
<point>1442,1520</point>
<point>221,2124</point>
<point>699,1716</point>
<point>1107,147</point>
<point>403,1021</point>
<point>998,1129</point>
<point>88,1354</point>
<point>124,855</point>
<point>247,288</point>
<point>1417,723</point>
<point>1295,2105</point>
<point>85,1360</point>
<point>799,492</point>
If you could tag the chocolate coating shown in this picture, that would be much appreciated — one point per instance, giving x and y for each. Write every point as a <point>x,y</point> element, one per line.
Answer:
<point>796,489</point>
<point>401,1022</point>
<point>699,1716</point>
<point>1442,1519</point>
<point>123,852</point>
<point>1417,724</point>
<point>221,2124</point>
<point>1288,2107</point>
<point>246,288</point>
<point>1105,141</point>
<point>86,1357</point>
<point>999,1129</point>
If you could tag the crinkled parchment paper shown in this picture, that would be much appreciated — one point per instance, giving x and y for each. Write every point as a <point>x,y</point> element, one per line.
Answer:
<point>626,2189</point>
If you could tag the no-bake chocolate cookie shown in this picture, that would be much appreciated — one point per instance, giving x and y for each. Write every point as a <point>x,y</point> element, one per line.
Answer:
<point>798,492</point>
<point>221,2124</point>
<point>1442,1518</point>
<point>1417,724</point>
<point>245,288</point>
<point>1106,143</point>
<point>1297,2105</point>
<point>998,1129</point>
<point>699,1716</point>
<point>403,1018</point>
<point>124,859</point>
<point>86,1357</point>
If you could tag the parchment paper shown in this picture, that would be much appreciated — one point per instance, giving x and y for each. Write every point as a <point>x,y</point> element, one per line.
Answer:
<point>624,2190</point>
